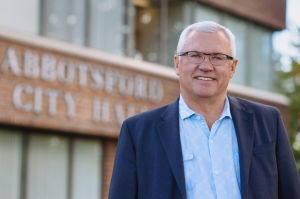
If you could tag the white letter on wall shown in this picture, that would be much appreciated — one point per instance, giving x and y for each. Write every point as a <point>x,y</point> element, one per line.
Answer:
<point>140,87</point>
<point>98,82</point>
<point>48,68</point>
<point>53,94</point>
<point>110,79</point>
<point>11,61</point>
<point>17,97</point>
<point>105,111</point>
<point>82,67</point>
<point>119,113</point>
<point>100,110</point>
<point>96,109</point>
<point>31,64</point>
<point>38,100</point>
<point>126,84</point>
<point>130,110</point>
<point>156,90</point>
<point>71,103</point>
<point>65,72</point>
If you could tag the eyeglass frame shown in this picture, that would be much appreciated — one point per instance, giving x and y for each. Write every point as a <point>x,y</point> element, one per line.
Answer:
<point>187,52</point>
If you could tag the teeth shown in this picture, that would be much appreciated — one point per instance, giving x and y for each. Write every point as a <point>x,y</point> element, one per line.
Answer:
<point>204,78</point>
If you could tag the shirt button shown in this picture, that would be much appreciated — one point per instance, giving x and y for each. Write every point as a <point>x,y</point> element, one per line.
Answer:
<point>198,117</point>
<point>217,172</point>
<point>210,141</point>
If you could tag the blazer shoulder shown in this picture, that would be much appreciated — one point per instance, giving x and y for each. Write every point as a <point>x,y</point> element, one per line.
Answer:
<point>147,115</point>
<point>142,125</point>
<point>257,108</point>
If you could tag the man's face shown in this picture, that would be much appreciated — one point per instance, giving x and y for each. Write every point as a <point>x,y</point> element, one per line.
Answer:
<point>204,80</point>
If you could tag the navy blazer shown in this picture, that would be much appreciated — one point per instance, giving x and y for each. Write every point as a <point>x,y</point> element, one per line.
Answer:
<point>149,163</point>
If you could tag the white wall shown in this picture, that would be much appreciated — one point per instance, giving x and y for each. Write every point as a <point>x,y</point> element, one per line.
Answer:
<point>21,15</point>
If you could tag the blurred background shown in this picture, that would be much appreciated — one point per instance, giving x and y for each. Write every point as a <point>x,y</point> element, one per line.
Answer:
<point>149,29</point>
<point>287,66</point>
<point>268,43</point>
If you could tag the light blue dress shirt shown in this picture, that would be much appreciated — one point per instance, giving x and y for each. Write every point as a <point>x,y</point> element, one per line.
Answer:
<point>210,158</point>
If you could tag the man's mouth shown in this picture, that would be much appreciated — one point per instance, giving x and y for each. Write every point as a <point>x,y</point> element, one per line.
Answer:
<point>205,78</point>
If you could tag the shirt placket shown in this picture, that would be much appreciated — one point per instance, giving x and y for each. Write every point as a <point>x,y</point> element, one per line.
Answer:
<point>216,167</point>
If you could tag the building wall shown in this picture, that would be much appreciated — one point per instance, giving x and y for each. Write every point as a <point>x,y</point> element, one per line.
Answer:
<point>253,40</point>
<point>269,13</point>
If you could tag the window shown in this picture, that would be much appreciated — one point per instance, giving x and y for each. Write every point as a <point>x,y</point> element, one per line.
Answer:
<point>10,167</point>
<point>261,71</point>
<point>65,20</point>
<point>86,169</point>
<point>94,23</point>
<point>239,28</point>
<point>149,30</point>
<point>35,165</point>
<point>47,168</point>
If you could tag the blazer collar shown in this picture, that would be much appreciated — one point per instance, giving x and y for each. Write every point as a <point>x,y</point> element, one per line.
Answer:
<point>244,128</point>
<point>169,135</point>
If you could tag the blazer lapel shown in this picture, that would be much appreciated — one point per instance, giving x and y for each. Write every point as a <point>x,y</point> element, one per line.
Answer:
<point>169,135</point>
<point>243,123</point>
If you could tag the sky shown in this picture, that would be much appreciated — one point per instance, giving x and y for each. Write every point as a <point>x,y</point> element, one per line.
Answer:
<point>283,40</point>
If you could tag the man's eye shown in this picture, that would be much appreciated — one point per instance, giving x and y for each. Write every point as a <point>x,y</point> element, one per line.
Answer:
<point>218,57</point>
<point>196,55</point>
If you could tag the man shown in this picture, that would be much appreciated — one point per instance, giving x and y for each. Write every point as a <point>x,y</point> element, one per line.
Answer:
<point>206,144</point>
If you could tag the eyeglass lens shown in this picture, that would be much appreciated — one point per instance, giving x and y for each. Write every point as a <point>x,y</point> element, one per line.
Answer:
<point>215,59</point>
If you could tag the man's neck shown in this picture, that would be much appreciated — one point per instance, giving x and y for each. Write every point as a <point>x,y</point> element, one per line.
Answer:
<point>211,109</point>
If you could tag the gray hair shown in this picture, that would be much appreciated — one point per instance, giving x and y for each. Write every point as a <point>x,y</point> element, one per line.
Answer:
<point>207,26</point>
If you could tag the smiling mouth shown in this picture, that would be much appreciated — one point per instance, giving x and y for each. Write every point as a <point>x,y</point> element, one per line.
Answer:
<point>205,78</point>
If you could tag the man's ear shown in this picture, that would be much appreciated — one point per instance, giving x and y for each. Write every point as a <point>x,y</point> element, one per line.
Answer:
<point>176,64</point>
<point>233,67</point>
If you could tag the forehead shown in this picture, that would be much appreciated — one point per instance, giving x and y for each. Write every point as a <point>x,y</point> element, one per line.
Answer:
<point>215,42</point>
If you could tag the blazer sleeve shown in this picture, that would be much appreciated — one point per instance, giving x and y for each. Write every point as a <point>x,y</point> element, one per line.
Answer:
<point>288,178</point>
<point>124,178</point>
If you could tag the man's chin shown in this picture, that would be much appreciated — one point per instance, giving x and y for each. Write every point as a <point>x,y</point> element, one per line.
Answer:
<point>205,96</point>
<point>205,93</point>
<point>209,95</point>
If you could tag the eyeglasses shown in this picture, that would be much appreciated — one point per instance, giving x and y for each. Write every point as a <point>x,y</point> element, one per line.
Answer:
<point>195,57</point>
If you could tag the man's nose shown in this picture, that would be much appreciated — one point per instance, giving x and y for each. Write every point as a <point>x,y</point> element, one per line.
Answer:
<point>206,65</point>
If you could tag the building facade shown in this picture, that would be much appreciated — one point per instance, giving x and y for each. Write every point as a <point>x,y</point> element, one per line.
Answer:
<point>71,71</point>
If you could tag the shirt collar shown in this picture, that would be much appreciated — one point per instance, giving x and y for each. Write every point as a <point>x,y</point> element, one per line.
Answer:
<point>226,111</point>
<point>185,111</point>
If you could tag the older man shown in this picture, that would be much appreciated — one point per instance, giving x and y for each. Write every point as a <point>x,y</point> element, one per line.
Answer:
<point>206,144</point>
